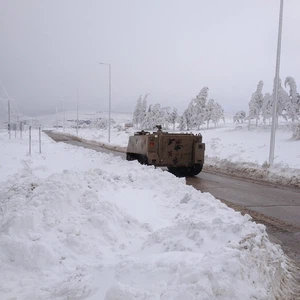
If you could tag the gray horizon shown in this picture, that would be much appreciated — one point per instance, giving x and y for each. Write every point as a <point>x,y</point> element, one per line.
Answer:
<point>168,49</point>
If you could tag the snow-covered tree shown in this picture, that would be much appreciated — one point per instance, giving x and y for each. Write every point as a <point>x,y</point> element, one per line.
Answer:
<point>143,110</point>
<point>255,104</point>
<point>217,113</point>
<point>200,111</point>
<point>146,124</point>
<point>184,123</point>
<point>239,116</point>
<point>140,111</point>
<point>196,108</point>
<point>267,107</point>
<point>209,110</point>
<point>151,117</point>
<point>174,117</point>
<point>288,104</point>
<point>157,118</point>
<point>283,101</point>
<point>137,112</point>
<point>188,118</point>
<point>166,114</point>
<point>293,106</point>
<point>154,117</point>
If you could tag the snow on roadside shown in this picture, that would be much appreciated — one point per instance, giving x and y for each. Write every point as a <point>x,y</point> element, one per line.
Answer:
<point>241,145</point>
<point>244,153</point>
<point>77,224</point>
<point>277,174</point>
<point>118,138</point>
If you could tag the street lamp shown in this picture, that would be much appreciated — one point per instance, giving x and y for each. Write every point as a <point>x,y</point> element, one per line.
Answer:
<point>77,114</point>
<point>109,103</point>
<point>276,86</point>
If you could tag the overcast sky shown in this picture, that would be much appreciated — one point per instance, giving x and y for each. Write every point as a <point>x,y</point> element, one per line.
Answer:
<point>167,48</point>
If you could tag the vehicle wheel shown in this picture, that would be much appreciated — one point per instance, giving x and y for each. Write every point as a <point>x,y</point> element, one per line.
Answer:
<point>172,170</point>
<point>129,156</point>
<point>179,171</point>
<point>143,159</point>
<point>196,169</point>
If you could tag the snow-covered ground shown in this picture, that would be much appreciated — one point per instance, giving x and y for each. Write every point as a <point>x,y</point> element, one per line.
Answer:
<point>241,145</point>
<point>77,224</point>
<point>245,153</point>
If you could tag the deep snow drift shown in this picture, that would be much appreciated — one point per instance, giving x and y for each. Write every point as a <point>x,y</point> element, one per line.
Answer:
<point>77,224</point>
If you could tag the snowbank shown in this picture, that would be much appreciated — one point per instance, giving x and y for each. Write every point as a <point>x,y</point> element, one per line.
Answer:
<point>77,224</point>
<point>244,153</point>
<point>118,138</point>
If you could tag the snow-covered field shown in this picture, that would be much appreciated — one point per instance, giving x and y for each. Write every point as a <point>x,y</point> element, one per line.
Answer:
<point>242,145</point>
<point>245,153</point>
<point>77,224</point>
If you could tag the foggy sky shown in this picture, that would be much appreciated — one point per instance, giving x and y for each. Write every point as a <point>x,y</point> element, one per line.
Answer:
<point>167,48</point>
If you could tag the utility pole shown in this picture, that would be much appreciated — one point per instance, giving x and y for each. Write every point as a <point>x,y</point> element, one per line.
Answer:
<point>64,114</point>
<point>109,109</point>
<point>21,129</point>
<point>40,139</point>
<point>30,140</point>
<point>17,122</point>
<point>56,117</point>
<point>8,119</point>
<point>77,114</point>
<point>276,86</point>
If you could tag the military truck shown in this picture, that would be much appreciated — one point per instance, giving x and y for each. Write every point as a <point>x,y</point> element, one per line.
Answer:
<point>181,153</point>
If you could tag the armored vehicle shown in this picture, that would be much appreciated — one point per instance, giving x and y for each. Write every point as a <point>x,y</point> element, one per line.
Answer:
<point>181,153</point>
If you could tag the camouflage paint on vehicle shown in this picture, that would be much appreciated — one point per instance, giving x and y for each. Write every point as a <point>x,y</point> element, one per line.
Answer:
<point>182,153</point>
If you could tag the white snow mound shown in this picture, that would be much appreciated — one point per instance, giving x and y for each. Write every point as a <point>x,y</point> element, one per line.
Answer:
<point>76,235</point>
<point>94,226</point>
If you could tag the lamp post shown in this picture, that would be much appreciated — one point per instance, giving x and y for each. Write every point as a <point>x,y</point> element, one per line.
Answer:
<point>276,86</point>
<point>8,120</point>
<point>64,113</point>
<point>109,100</point>
<point>77,114</point>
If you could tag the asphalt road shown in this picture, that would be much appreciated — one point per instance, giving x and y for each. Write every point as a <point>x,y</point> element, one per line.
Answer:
<point>273,201</point>
<point>276,207</point>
